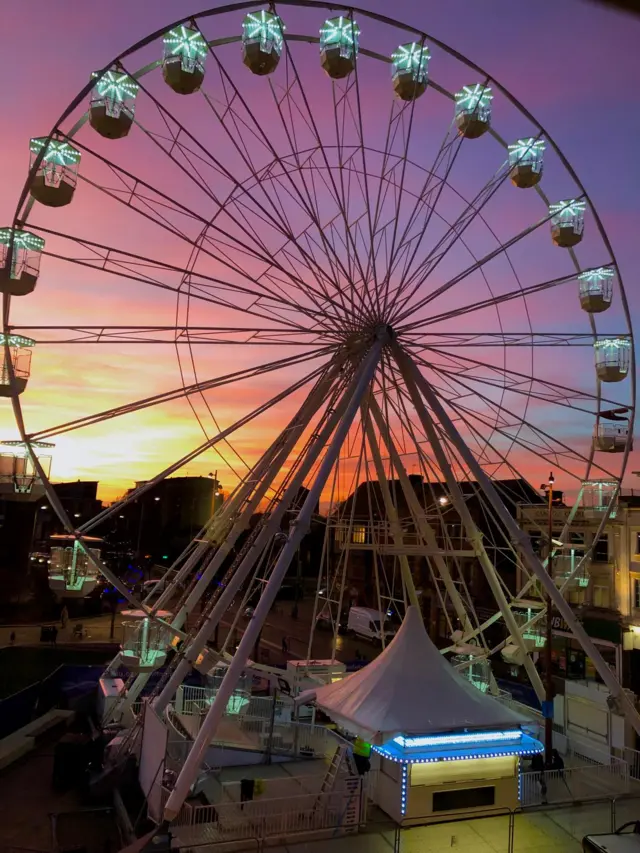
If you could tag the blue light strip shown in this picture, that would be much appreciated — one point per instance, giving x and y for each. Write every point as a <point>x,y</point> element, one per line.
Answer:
<point>403,794</point>
<point>526,746</point>
<point>455,740</point>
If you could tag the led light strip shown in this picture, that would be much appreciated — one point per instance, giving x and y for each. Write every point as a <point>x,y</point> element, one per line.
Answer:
<point>452,740</point>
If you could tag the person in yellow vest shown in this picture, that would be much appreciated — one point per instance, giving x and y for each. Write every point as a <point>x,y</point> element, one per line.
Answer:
<point>362,755</point>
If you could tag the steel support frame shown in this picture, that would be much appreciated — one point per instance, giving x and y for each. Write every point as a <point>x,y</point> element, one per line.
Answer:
<point>474,536</point>
<point>357,389</point>
<point>522,540</point>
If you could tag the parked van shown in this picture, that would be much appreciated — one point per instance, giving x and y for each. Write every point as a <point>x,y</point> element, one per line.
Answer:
<point>365,622</point>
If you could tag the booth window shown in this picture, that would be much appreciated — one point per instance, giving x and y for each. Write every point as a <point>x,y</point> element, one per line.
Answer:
<point>467,798</point>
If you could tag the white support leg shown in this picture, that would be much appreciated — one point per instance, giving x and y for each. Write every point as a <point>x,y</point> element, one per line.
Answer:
<point>427,534</point>
<point>209,726</point>
<point>522,540</point>
<point>390,509</point>
<point>474,536</point>
<point>199,642</point>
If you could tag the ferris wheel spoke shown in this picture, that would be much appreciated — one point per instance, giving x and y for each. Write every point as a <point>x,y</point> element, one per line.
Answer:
<point>224,240</point>
<point>504,339</point>
<point>493,301</point>
<point>390,166</point>
<point>371,213</point>
<point>285,102</point>
<point>436,180</point>
<point>503,248</point>
<point>345,153</point>
<point>136,493</point>
<point>416,278</point>
<point>300,196</point>
<point>275,176</point>
<point>176,335</point>
<point>275,216</point>
<point>456,230</point>
<point>540,442</point>
<point>111,259</point>
<point>553,392</point>
<point>178,393</point>
<point>336,188</point>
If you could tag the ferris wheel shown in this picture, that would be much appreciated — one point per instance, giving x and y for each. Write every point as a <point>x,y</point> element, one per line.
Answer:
<point>353,258</point>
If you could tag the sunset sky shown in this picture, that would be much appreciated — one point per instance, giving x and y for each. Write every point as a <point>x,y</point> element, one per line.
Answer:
<point>573,64</point>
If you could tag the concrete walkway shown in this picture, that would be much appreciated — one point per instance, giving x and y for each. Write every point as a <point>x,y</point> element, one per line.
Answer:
<point>549,831</point>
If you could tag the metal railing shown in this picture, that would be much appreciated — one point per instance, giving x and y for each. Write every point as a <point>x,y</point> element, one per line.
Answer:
<point>300,740</point>
<point>265,818</point>
<point>193,700</point>
<point>576,783</point>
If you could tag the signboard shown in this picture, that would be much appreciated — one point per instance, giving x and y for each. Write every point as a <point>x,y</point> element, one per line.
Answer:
<point>539,516</point>
<point>559,624</point>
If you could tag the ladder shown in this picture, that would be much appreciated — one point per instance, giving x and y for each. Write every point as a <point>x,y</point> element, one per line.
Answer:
<point>329,781</point>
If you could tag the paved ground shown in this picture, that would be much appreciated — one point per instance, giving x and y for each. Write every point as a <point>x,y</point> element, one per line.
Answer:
<point>97,629</point>
<point>549,831</point>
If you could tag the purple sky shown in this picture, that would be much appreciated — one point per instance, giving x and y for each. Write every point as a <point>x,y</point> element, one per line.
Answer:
<point>573,64</point>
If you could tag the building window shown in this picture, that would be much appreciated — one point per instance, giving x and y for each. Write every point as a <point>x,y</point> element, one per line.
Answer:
<point>637,543</point>
<point>576,538</point>
<point>601,550</point>
<point>535,538</point>
<point>359,536</point>
<point>601,597</point>
<point>576,596</point>
<point>636,592</point>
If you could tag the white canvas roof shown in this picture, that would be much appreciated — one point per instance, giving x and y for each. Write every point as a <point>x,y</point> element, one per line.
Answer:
<point>410,688</point>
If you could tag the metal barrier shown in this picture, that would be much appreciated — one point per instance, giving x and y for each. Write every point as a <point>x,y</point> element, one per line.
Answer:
<point>270,818</point>
<point>573,784</point>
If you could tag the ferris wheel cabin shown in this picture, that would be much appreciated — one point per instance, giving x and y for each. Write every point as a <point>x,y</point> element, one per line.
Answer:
<point>20,253</point>
<point>409,68</point>
<point>185,52</point>
<point>72,571</point>
<point>20,354</point>
<point>596,289</point>
<point>145,642</point>
<point>567,222</point>
<point>56,176</point>
<point>526,161</point>
<point>262,40</point>
<point>613,356</point>
<point>113,104</point>
<point>339,46</point>
<point>612,438</point>
<point>18,475</point>
<point>473,110</point>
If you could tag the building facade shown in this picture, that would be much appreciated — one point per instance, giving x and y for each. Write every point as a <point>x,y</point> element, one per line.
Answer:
<point>605,593</point>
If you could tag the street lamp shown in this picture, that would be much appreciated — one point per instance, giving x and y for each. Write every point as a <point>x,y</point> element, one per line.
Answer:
<point>443,500</point>
<point>547,708</point>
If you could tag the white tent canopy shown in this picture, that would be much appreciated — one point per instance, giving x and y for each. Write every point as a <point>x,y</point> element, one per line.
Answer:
<point>411,689</point>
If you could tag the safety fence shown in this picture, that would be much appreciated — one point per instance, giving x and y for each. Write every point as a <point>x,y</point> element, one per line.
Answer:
<point>558,828</point>
<point>267,818</point>
<point>295,740</point>
<point>590,781</point>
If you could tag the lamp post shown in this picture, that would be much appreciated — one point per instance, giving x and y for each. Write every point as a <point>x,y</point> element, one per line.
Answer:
<point>548,703</point>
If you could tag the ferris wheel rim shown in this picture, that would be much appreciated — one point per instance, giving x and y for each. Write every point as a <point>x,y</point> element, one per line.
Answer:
<point>386,21</point>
